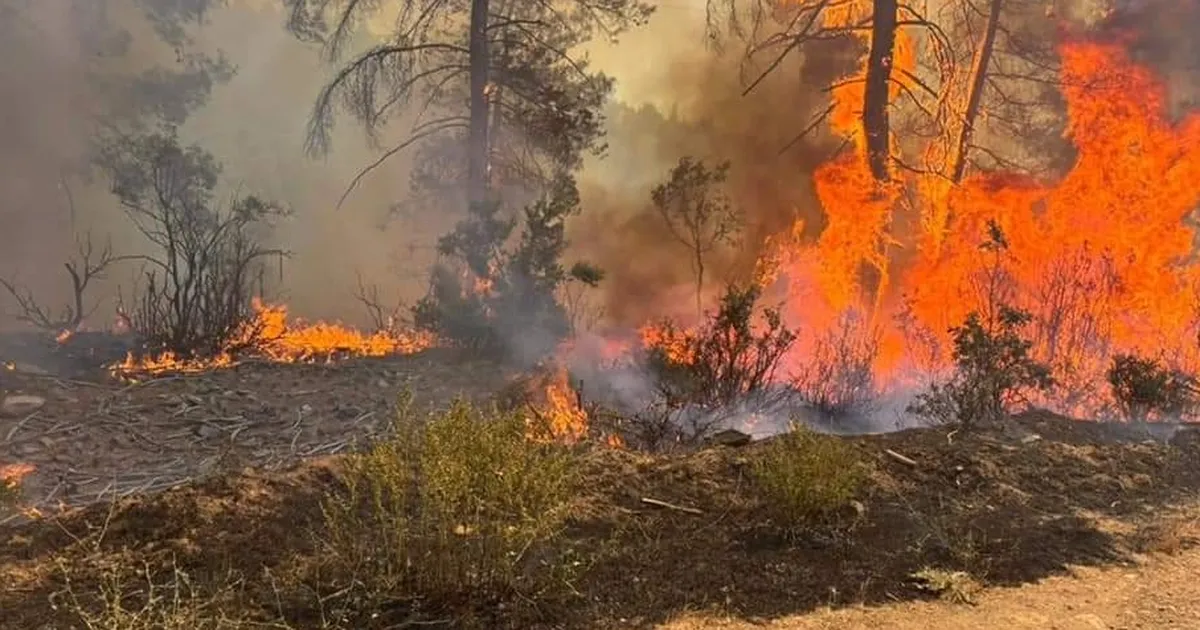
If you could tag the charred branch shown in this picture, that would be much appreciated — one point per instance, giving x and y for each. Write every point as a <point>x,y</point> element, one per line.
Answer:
<point>875,115</point>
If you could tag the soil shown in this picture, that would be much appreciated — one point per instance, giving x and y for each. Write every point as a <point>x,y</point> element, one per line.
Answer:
<point>1049,522</point>
<point>97,437</point>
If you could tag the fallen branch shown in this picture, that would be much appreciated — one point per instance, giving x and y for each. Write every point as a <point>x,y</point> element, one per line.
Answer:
<point>671,506</point>
<point>900,458</point>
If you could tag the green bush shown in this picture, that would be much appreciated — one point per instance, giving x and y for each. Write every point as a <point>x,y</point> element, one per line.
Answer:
<point>455,508</point>
<point>993,367</point>
<point>1145,389</point>
<point>807,476</point>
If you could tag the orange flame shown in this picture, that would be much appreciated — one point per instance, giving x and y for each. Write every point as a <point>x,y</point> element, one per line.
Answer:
<point>568,422</point>
<point>272,336</point>
<point>12,474</point>
<point>1103,259</point>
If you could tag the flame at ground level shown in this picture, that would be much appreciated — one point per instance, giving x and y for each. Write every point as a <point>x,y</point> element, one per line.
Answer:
<point>271,336</point>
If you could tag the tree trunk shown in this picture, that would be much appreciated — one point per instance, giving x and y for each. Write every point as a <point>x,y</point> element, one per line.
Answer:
<point>477,132</point>
<point>875,97</point>
<point>977,81</point>
<point>699,284</point>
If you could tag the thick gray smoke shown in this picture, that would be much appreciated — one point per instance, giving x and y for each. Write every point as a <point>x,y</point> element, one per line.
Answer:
<point>72,67</point>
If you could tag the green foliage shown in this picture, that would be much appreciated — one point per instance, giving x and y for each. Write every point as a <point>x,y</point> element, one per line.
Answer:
<point>697,214</point>
<point>993,368</point>
<point>503,301</point>
<point>805,475</point>
<point>726,358</point>
<point>1144,389</point>
<point>455,507</point>
<point>548,97</point>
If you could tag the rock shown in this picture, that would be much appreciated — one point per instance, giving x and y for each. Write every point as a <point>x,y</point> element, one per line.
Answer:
<point>730,437</point>
<point>21,405</point>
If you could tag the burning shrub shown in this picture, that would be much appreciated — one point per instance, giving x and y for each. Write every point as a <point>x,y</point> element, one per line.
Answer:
<point>455,507</point>
<point>838,380</point>
<point>1144,389</point>
<point>725,359</point>
<point>721,370</point>
<point>806,475</point>
<point>199,278</point>
<point>502,301</point>
<point>993,369</point>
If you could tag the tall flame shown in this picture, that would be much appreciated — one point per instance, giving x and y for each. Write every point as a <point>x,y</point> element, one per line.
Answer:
<point>1103,259</point>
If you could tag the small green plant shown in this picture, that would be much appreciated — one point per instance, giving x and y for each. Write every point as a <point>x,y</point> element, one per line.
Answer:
<point>455,509</point>
<point>994,368</point>
<point>1144,389</point>
<point>8,493</point>
<point>807,476</point>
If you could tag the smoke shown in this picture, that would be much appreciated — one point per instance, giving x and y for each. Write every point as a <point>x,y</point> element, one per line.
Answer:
<point>689,102</point>
<point>709,118</point>
<point>72,66</point>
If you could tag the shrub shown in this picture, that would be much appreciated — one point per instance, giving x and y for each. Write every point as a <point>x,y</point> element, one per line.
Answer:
<point>205,260</point>
<point>501,301</point>
<point>838,379</point>
<point>993,368</point>
<point>456,509</point>
<point>726,359</point>
<point>1144,389</point>
<point>806,475</point>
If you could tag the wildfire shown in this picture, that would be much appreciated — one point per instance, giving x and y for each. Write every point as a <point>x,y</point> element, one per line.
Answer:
<point>270,335</point>
<point>568,422</point>
<point>1103,259</point>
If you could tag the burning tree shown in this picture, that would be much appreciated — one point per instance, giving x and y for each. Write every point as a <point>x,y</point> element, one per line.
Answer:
<point>1101,260</point>
<point>199,280</point>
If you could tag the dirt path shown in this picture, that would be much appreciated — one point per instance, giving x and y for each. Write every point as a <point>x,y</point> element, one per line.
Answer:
<point>1163,593</point>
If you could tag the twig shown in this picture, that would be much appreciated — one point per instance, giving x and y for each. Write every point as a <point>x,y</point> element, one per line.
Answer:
<point>900,458</point>
<point>671,506</point>
<point>17,427</point>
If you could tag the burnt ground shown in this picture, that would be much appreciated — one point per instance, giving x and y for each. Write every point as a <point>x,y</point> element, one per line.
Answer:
<point>98,438</point>
<point>251,451</point>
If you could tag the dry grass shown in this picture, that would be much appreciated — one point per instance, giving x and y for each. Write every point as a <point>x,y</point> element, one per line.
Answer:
<point>1170,535</point>
<point>956,587</point>
<point>460,521</point>
<point>457,507</point>
<point>128,597</point>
